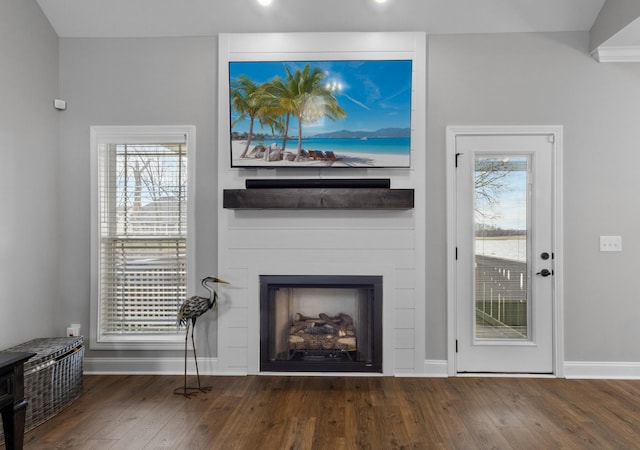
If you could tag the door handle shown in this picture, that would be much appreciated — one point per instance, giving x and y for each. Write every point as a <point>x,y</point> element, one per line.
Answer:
<point>545,272</point>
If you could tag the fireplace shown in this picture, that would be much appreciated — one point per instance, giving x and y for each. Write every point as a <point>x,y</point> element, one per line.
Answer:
<point>318,323</point>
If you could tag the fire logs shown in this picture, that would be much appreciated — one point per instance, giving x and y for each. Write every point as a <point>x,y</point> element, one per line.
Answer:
<point>322,333</point>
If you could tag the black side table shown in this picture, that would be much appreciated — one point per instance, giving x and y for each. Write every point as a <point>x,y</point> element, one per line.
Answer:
<point>12,402</point>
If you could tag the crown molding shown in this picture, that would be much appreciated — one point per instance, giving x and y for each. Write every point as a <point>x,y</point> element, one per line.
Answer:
<point>627,54</point>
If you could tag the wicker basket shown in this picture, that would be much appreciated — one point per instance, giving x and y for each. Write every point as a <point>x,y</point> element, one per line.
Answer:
<point>52,378</point>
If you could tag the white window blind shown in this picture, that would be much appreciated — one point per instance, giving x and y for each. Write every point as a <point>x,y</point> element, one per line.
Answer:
<point>142,196</point>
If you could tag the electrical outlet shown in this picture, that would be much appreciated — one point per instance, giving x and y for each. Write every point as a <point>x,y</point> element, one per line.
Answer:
<point>74,330</point>
<point>610,243</point>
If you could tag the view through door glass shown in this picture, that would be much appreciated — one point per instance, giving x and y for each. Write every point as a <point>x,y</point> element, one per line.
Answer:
<point>501,211</point>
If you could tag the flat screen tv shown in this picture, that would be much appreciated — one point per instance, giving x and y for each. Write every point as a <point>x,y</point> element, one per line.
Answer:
<point>342,113</point>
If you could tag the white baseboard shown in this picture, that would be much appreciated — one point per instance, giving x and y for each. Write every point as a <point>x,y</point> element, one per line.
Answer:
<point>432,368</point>
<point>207,366</point>
<point>602,370</point>
<point>436,368</point>
<point>148,366</point>
<point>572,369</point>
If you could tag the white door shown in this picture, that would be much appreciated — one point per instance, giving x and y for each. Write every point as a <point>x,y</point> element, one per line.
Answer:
<point>504,289</point>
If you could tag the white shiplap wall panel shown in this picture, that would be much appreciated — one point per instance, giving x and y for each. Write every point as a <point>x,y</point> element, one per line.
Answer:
<point>405,319</point>
<point>237,276</point>
<point>406,278</point>
<point>235,360</point>
<point>312,219</point>
<point>404,338</point>
<point>239,337</point>
<point>235,317</point>
<point>295,242</point>
<point>320,238</point>
<point>400,259</point>
<point>404,358</point>
<point>405,298</point>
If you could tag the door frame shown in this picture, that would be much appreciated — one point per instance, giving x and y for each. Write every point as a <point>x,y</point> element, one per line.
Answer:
<point>452,132</point>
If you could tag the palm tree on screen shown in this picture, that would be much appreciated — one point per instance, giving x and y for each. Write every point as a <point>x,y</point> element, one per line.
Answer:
<point>282,95</point>
<point>310,101</point>
<point>247,99</point>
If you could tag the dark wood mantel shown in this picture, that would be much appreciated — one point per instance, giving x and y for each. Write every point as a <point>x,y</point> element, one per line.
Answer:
<point>318,198</point>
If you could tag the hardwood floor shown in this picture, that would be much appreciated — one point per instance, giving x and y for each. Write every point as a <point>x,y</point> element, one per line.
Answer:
<point>268,412</point>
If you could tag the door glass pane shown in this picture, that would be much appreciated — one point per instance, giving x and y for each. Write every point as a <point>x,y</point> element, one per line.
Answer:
<point>501,213</point>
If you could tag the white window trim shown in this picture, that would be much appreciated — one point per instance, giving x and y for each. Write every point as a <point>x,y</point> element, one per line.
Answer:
<point>138,135</point>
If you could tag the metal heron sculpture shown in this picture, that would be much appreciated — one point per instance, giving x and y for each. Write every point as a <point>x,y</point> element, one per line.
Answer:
<point>189,311</point>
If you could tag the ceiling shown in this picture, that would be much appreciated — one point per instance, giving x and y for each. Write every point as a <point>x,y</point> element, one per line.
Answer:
<point>179,18</point>
<point>630,35</point>
<point>155,18</point>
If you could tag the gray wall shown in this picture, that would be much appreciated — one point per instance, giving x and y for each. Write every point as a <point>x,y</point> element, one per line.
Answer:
<point>132,82</point>
<point>549,79</point>
<point>28,173</point>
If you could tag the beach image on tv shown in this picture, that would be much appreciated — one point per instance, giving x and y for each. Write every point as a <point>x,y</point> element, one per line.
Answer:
<point>352,113</point>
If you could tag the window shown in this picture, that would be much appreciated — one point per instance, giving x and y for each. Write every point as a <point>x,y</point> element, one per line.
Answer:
<point>141,228</point>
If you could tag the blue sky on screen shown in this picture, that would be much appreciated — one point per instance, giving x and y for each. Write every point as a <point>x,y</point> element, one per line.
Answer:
<point>374,93</point>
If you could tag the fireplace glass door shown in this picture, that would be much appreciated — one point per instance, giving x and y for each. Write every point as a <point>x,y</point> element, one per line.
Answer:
<point>321,323</point>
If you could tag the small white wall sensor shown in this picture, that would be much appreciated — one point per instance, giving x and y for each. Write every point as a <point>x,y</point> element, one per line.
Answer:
<point>59,104</point>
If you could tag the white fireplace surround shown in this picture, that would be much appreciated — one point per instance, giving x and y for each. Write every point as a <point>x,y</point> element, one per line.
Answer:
<point>387,243</point>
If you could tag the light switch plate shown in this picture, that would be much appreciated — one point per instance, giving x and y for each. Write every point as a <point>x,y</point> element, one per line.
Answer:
<point>610,243</point>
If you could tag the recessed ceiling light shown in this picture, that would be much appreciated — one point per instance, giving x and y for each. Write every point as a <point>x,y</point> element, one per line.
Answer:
<point>268,2</point>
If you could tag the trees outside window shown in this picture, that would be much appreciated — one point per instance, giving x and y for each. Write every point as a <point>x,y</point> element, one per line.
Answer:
<point>141,235</point>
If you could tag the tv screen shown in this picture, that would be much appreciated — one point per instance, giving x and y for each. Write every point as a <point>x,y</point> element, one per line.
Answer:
<point>344,113</point>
